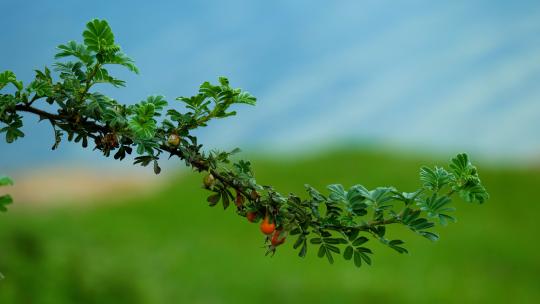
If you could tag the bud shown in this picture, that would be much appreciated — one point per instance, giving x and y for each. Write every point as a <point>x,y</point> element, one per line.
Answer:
<point>254,195</point>
<point>173,140</point>
<point>209,180</point>
<point>110,141</point>
<point>239,201</point>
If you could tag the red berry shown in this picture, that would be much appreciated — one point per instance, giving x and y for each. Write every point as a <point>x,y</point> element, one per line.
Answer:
<point>251,216</point>
<point>267,227</point>
<point>276,240</point>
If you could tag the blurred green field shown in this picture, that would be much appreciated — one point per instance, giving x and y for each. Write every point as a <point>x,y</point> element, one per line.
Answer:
<point>170,247</point>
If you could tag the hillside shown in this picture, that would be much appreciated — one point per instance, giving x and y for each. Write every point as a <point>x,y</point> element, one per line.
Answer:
<point>170,247</point>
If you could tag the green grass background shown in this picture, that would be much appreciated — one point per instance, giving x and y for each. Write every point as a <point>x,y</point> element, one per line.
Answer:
<point>170,247</point>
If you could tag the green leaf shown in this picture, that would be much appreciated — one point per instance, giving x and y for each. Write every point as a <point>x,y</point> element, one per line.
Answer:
<point>329,256</point>
<point>474,194</point>
<point>303,250</point>
<point>5,181</point>
<point>143,129</point>
<point>379,196</point>
<point>4,201</point>
<point>143,124</point>
<point>209,90</point>
<point>407,197</point>
<point>434,179</point>
<point>353,234</point>
<point>223,81</point>
<point>245,98</point>
<point>225,199</point>
<point>213,199</point>
<point>71,72</point>
<point>365,257</point>
<point>332,248</point>
<point>359,241</point>
<point>98,36</point>
<point>123,60</point>
<point>158,101</point>
<point>347,254</point>
<point>313,193</point>
<point>409,215</point>
<point>429,235</point>
<point>12,131</point>
<point>143,160</point>
<point>40,87</point>
<point>322,251</point>
<point>445,218</point>
<point>193,102</point>
<point>460,164</point>
<point>357,259</point>
<point>102,76</point>
<point>435,206</point>
<point>74,49</point>
<point>316,241</point>
<point>337,193</point>
<point>420,224</point>
<point>394,244</point>
<point>9,77</point>
<point>157,168</point>
<point>299,241</point>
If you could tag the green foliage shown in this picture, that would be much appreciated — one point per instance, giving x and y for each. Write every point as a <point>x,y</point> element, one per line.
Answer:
<point>5,199</point>
<point>338,224</point>
<point>143,123</point>
<point>434,179</point>
<point>72,48</point>
<point>98,36</point>
<point>466,180</point>
<point>7,77</point>
<point>187,240</point>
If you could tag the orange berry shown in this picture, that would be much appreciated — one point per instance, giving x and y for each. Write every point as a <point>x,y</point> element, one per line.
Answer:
<point>267,227</point>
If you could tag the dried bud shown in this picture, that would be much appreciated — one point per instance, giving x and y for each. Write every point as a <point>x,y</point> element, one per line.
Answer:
<point>239,201</point>
<point>110,141</point>
<point>254,195</point>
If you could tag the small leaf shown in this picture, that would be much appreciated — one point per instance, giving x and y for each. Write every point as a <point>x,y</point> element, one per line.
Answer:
<point>329,257</point>
<point>365,257</point>
<point>4,201</point>
<point>213,199</point>
<point>5,181</point>
<point>353,234</point>
<point>429,235</point>
<point>299,241</point>
<point>316,241</point>
<point>359,241</point>
<point>347,254</point>
<point>434,179</point>
<point>303,250</point>
<point>322,251</point>
<point>394,245</point>
<point>157,168</point>
<point>98,35</point>
<point>332,248</point>
<point>225,198</point>
<point>357,259</point>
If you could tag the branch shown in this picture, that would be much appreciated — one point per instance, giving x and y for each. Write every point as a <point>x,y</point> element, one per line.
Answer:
<point>342,218</point>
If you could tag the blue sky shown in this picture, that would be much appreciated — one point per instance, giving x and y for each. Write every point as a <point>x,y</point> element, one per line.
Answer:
<point>422,75</point>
